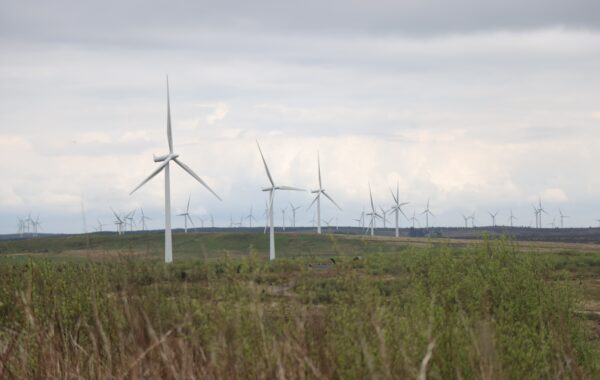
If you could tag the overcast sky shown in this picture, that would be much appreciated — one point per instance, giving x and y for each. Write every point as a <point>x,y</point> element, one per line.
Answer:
<point>476,105</point>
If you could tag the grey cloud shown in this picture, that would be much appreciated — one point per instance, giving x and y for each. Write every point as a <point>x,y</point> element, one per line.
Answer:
<point>126,22</point>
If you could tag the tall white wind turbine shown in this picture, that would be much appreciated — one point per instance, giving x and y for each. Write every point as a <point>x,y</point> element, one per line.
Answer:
<point>165,160</point>
<point>317,199</point>
<point>397,207</point>
<point>271,191</point>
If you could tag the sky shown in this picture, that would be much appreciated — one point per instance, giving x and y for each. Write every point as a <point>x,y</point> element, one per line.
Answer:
<point>476,106</point>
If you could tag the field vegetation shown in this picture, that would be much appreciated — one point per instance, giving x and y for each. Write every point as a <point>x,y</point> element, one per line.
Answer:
<point>106,307</point>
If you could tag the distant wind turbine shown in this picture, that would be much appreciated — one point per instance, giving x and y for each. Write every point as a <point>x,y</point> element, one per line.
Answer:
<point>466,219</point>
<point>317,199</point>
<point>562,217</point>
<point>143,219</point>
<point>427,212</point>
<point>373,214</point>
<point>294,209</point>
<point>118,222</point>
<point>512,218</point>
<point>397,207</point>
<point>186,216</point>
<point>271,191</point>
<point>493,215</point>
<point>250,217</point>
<point>165,161</point>
<point>414,219</point>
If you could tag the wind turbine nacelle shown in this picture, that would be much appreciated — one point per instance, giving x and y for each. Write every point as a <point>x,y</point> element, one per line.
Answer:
<point>164,157</point>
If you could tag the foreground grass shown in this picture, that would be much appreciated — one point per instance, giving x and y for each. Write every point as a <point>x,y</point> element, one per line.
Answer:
<point>483,312</point>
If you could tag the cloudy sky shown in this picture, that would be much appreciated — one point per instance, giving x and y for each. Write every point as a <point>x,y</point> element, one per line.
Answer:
<point>475,105</point>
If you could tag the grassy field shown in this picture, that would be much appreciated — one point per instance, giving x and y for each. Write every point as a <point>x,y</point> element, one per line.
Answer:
<point>107,307</point>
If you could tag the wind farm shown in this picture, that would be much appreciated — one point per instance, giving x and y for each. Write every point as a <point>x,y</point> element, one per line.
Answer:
<point>299,190</point>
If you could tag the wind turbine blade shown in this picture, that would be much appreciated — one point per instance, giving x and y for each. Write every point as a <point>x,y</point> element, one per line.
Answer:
<point>394,196</point>
<point>169,132</point>
<point>191,172</point>
<point>187,209</point>
<point>289,188</point>
<point>313,202</point>
<point>319,167</point>
<point>332,201</point>
<point>265,163</point>
<point>190,219</point>
<point>155,172</point>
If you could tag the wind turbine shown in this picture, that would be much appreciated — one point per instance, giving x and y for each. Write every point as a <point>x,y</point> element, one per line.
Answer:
<point>129,217</point>
<point>397,207</point>
<point>119,222</point>
<point>373,214</point>
<point>212,221</point>
<point>327,222</point>
<point>186,215</point>
<point>493,215</point>
<point>413,219</point>
<point>512,218</point>
<point>537,216</point>
<point>540,211</point>
<point>294,209</point>
<point>201,221</point>
<point>165,160</point>
<point>100,226</point>
<point>562,217</point>
<point>21,224</point>
<point>143,219</point>
<point>317,199</point>
<point>250,217</point>
<point>35,224</point>
<point>271,191</point>
<point>427,212</point>
<point>466,219</point>
<point>384,216</point>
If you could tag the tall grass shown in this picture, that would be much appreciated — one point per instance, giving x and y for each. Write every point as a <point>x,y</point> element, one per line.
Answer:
<point>482,313</point>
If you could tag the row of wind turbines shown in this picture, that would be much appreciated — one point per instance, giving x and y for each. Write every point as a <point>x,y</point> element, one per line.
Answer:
<point>164,165</point>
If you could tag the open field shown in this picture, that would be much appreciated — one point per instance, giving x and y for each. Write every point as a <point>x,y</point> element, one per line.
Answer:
<point>107,307</point>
